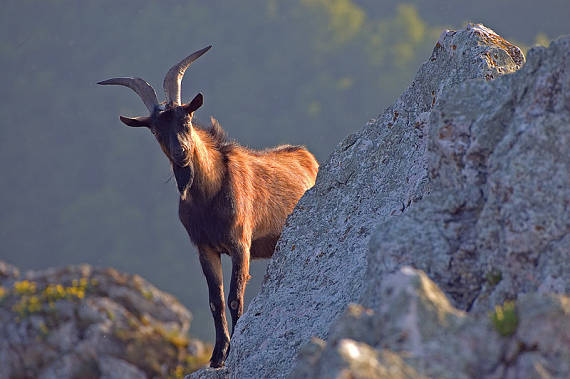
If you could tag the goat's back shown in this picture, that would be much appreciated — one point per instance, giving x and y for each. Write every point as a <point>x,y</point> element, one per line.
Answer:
<point>268,184</point>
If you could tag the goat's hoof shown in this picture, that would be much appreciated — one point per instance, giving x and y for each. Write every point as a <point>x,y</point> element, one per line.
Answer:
<point>219,356</point>
<point>217,361</point>
<point>216,364</point>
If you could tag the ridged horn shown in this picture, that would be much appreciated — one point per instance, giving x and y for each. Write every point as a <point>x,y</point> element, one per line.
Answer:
<point>141,87</point>
<point>174,76</point>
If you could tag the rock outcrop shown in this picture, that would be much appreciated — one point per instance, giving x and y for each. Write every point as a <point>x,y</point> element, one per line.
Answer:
<point>85,322</point>
<point>496,222</point>
<point>416,333</point>
<point>464,177</point>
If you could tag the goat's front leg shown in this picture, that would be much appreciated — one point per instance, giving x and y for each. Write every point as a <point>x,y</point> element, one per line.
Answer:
<point>240,276</point>
<point>212,268</point>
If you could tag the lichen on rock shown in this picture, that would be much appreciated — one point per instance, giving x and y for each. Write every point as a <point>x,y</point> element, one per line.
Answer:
<point>415,333</point>
<point>80,321</point>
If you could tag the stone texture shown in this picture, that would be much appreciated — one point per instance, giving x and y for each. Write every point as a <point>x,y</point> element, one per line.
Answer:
<point>208,372</point>
<point>113,368</point>
<point>372,177</point>
<point>415,332</point>
<point>493,227</point>
<point>496,222</point>
<point>86,322</point>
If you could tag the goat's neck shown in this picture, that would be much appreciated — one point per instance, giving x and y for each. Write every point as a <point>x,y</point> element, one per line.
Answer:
<point>207,164</point>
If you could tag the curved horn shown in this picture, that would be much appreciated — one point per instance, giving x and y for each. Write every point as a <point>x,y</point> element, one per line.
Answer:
<point>141,87</point>
<point>173,77</point>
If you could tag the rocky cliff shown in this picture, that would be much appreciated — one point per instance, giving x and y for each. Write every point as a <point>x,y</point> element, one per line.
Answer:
<point>466,178</point>
<point>85,322</point>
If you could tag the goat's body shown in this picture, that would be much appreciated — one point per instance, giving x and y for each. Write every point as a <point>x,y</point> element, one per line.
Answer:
<point>254,194</point>
<point>237,204</point>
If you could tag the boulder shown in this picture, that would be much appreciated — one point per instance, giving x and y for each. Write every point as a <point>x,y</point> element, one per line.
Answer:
<point>81,321</point>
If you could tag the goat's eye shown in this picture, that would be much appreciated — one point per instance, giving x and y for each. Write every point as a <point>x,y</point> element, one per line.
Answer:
<point>153,131</point>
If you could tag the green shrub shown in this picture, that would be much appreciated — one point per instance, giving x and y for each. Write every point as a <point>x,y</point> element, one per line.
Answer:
<point>505,318</point>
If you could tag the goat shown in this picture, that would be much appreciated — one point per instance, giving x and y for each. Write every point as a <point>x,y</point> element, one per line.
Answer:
<point>233,200</point>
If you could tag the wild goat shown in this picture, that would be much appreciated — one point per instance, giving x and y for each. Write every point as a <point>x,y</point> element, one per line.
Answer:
<point>233,200</point>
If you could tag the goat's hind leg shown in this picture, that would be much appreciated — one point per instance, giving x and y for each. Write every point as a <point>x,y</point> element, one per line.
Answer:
<point>212,268</point>
<point>240,276</point>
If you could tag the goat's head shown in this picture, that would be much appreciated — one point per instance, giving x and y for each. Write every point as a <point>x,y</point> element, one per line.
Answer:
<point>171,121</point>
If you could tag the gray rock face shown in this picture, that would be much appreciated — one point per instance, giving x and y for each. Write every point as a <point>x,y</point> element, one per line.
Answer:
<point>416,333</point>
<point>372,177</point>
<point>496,222</point>
<point>84,322</point>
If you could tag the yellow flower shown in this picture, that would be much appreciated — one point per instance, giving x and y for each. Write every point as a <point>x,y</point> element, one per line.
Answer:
<point>3,292</point>
<point>25,287</point>
<point>34,304</point>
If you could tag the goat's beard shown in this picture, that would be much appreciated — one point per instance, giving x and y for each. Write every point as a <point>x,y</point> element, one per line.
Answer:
<point>184,177</point>
<point>179,157</point>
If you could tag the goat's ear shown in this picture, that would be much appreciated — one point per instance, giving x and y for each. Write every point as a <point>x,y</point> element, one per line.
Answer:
<point>136,121</point>
<point>196,103</point>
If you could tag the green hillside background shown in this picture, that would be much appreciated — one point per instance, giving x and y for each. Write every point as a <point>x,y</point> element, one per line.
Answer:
<point>78,186</point>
